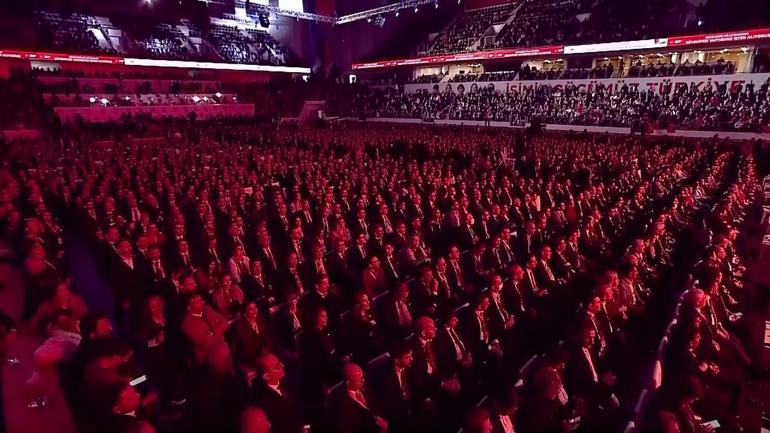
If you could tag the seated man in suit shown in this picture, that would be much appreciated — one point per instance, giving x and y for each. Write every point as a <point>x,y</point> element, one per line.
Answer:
<point>453,355</point>
<point>395,389</point>
<point>372,277</point>
<point>389,266</point>
<point>273,396</point>
<point>501,321</point>
<point>396,314</point>
<point>586,376</point>
<point>546,278</point>
<point>204,328</point>
<point>354,412</point>
<point>429,380</point>
<point>250,337</point>
<point>358,336</point>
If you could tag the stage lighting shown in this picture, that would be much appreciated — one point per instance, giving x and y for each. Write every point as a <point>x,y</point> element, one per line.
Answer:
<point>196,99</point>
<point>92,99</point>
<point>416,9</point>
<point>218,95</point>
<point>148,2</point>
<point>396,13</point>
<point>104,101</point>
<point>435,5</point>
<point>368,20</point>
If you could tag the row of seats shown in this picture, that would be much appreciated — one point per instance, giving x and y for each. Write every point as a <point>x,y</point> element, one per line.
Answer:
<point>468,28</point>
<point>715,107</point>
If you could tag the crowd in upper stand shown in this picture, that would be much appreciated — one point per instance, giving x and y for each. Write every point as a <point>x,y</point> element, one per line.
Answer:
<point>428,78</point>
<point>684,69</point>
<point>360,280</point>
<point>468,28</point>
<point>239,46</point>
<point>538,22</point>
<point>709,107</point>
<point>558,72</point>
<point>77,33</point>
<point>72,32</point>
<point>161,41</point>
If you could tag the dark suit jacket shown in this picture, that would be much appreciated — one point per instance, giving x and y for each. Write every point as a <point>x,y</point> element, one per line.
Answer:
<point>389,319</point>
<point>396,404</point>
<point>515,299</point>
<point>425,384</point>
<point>339,271</point>
<point>578,376</point>
<point>283,411</point>
<point>247,344</point>
<point>357,337</point>
<point>446,354</point>
<point>351,417</point>
<point>456,280</point>
<point>126,282</point>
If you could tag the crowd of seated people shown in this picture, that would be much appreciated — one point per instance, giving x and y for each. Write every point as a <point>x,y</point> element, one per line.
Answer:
<point>709,108</point>
<point>540,23</point>
<point>322,280</point>
<point>21,102</point>
<point>71,32</point>
<point>161,41</point>
<point>468,28</point>
<point>497,76</point>
<point>464,77</point>
<point>660,69</point>
<point>528,72</point>
<point>426,79</point>
<point>241,46</point>
<point>700,68</point>
<point>706,359</point>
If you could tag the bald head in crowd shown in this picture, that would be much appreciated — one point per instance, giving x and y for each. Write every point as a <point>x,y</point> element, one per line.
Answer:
<point>253,420</point>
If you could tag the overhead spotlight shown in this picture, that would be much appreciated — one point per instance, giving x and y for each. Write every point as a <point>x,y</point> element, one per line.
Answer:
<point>459,1</point>
<point>396,13</point>
<point>196,99</point>
<point>700,23</point>
<point>92,99</point>
<point>148,2</point>
<point>368,20</point>
<point>435,5</point>
<point>416,9</point>
<point>218,95</point>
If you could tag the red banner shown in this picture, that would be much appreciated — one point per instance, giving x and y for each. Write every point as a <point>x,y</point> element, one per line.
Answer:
<point>720,38</point>
<point>506,53</point>
<point>56,57</point>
